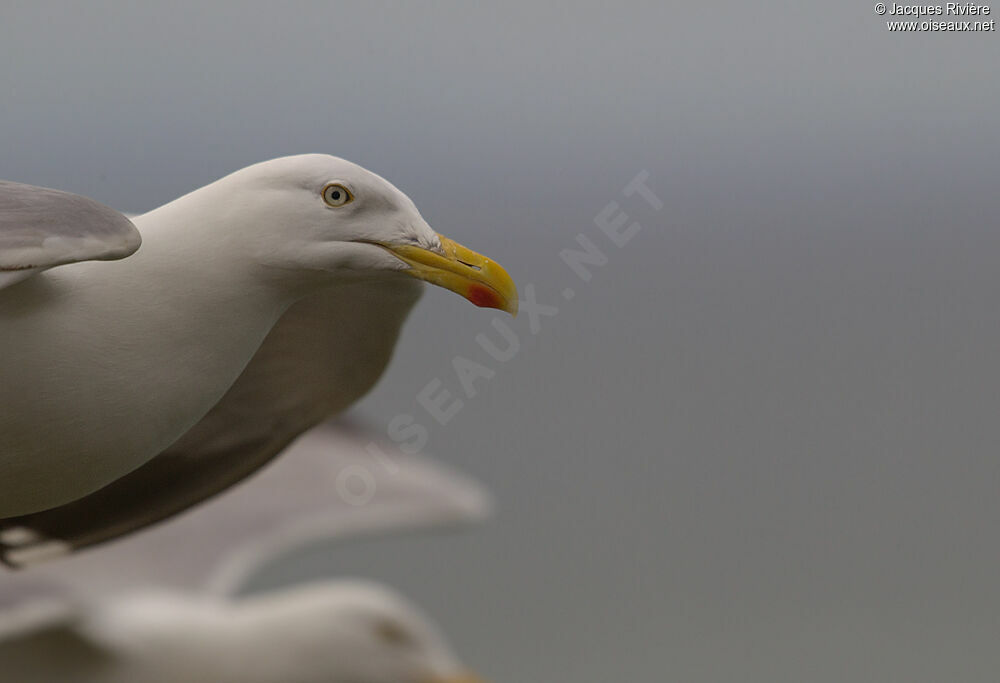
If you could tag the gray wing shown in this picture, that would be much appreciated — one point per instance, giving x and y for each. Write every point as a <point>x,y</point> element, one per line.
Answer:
<point>42,228</point>
<point>323,354</point>
<point>331,484</point>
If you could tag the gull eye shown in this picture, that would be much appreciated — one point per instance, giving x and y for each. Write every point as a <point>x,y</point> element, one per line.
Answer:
<point>336,194</point>
<point>393,633</point>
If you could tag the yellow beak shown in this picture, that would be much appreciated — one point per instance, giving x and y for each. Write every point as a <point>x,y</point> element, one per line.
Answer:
<point>480,280</point>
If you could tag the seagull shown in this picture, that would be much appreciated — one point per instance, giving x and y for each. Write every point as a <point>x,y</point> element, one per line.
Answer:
<point>271,298</point>
<point>173,604</point>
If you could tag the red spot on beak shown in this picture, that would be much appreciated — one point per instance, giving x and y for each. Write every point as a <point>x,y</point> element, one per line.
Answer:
<point>484,297</point>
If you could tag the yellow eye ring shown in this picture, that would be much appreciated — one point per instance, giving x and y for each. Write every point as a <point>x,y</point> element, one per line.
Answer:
<point>336,195</point>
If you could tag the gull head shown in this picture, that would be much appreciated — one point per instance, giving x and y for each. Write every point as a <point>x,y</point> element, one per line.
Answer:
<point>323,218</point>
<point>353,631</point>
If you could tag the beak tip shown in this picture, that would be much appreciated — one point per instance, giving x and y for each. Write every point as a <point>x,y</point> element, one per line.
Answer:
<point>486,297</point>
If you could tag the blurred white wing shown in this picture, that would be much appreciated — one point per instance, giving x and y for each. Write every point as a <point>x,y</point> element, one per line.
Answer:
<point>335,482</point>
<point>28,607</point>
<point>43,635</point>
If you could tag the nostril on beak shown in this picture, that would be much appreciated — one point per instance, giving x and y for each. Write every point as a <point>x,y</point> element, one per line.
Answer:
<point>470,265</point>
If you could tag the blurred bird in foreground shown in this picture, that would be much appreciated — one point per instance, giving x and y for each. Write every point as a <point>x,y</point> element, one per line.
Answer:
<point>257,307</point>
<point>165,606</point>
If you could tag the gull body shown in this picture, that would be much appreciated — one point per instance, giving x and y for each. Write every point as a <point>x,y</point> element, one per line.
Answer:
<point>327,631</point>
<point>106,364</point>
<point>344,630</point>
<point>326,351</point>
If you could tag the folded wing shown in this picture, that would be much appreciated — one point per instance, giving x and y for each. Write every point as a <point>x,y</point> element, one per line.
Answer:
<point>42,228</point>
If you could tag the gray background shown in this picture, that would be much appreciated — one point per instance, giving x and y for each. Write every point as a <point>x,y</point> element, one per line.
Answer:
<point>761,443</point>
